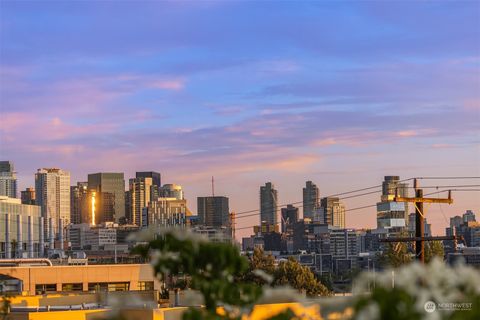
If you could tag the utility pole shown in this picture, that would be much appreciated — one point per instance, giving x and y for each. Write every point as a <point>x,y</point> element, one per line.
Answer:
<point>232,223</point>
<point>419,200</point>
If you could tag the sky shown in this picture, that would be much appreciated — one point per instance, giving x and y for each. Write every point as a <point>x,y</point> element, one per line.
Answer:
<point>340,93</point>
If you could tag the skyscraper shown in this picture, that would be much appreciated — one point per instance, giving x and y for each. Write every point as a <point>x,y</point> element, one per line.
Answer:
<point>289,216</point>
<point>213,211</point>
<point>52,193</point>
<point>109,190</point>
<point>141,193</point>
<point>268,204</point>
<point>391,214</point>
<point>156,177</point>
<point>311,199</point>
<point>333,212</point>
<point>79,208</point>
<point>8,179</point>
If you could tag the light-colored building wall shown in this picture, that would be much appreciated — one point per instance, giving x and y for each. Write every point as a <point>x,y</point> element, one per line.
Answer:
<point>136,275</point>
<point>20,226</point>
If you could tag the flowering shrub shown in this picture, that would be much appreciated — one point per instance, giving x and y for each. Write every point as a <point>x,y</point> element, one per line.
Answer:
<point>416,291</point>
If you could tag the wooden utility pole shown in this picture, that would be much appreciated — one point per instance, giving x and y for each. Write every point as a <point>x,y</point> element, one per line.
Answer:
<point>419,200</point>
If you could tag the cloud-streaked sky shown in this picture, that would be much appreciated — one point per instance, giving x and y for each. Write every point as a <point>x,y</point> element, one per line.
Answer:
<point>341,93</point>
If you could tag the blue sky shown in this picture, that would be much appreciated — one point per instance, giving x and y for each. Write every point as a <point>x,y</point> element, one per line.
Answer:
<point>341,93</point>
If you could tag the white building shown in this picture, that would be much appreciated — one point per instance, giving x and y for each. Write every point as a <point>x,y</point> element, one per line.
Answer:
<point>52,188</point>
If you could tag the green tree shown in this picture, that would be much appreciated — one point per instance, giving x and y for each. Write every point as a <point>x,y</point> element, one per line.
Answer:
<point>395,254</point>
<point>292,273</point>
<point>213,269</point>
<point>433,249</point>
<point>259,261</point>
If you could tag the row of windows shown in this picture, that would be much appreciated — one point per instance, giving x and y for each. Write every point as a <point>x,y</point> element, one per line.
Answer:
<point>94,286</point>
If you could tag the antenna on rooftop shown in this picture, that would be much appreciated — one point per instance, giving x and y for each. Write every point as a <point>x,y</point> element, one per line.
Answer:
<point>213,187</point>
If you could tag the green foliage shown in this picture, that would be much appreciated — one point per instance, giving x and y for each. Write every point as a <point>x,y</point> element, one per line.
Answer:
<point>433,249</point>
<point>260,261</point>
<point>396,254</point>
<point>387,304</point>
<point>292,273</point>
<point>212,267</point>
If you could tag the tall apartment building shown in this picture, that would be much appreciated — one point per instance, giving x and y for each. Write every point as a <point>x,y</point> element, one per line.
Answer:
<point>166,212</point>
<point>28,196</point>
<point>213,211</point>
<point>109,190</point>
<point>8,179</point>
<point>391,214</point>
<point>142,191</point>
<point>79,203</point>
<point>311,199</point>
<point>268,204</point>
<point>332,212</point>
<point>52,194</point>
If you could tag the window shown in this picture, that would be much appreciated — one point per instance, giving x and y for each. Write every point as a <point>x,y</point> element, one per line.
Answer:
<point>72,287</point>
<point>99,286</point>
<point>45,288</point>
<point>105,286</point>
<point>145,285</point>
<point>118,286</point>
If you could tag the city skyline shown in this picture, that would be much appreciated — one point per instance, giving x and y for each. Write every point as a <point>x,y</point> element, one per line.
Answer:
<point>341,94</point>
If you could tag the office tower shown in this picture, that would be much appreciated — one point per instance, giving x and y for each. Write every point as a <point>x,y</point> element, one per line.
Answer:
<point>469,216</point>
<point>109,190</point>
<point>289,216</point>
<point>79,200</point>
<point>268,204</point>
<point>311,199</point>
<point>171,191</point>
<point>333,212</point>
<point>28,196</point>
<point>128,209</point>
<point>52,194</point>
<point>156,177</point>
<point>141,193</point>
<point>391,214</point>
<point>8,179</point>
<point>213,211</point>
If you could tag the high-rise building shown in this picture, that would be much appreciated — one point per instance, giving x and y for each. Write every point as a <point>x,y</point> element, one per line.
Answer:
<point>52,194</point>
<point>268,204</point>
<point>141,193</point>
<point>28,196</point>
<point>213,211</point>
<point>156,177</point>
<point>289,216</point>
<point>8,179</point>
<point>109,190</point>
<point>171,191</point>
<point>79,208</point>
<point>311,199</point>
<point>391,214</point>
<point>166,212</point>
<point>333,212</point>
